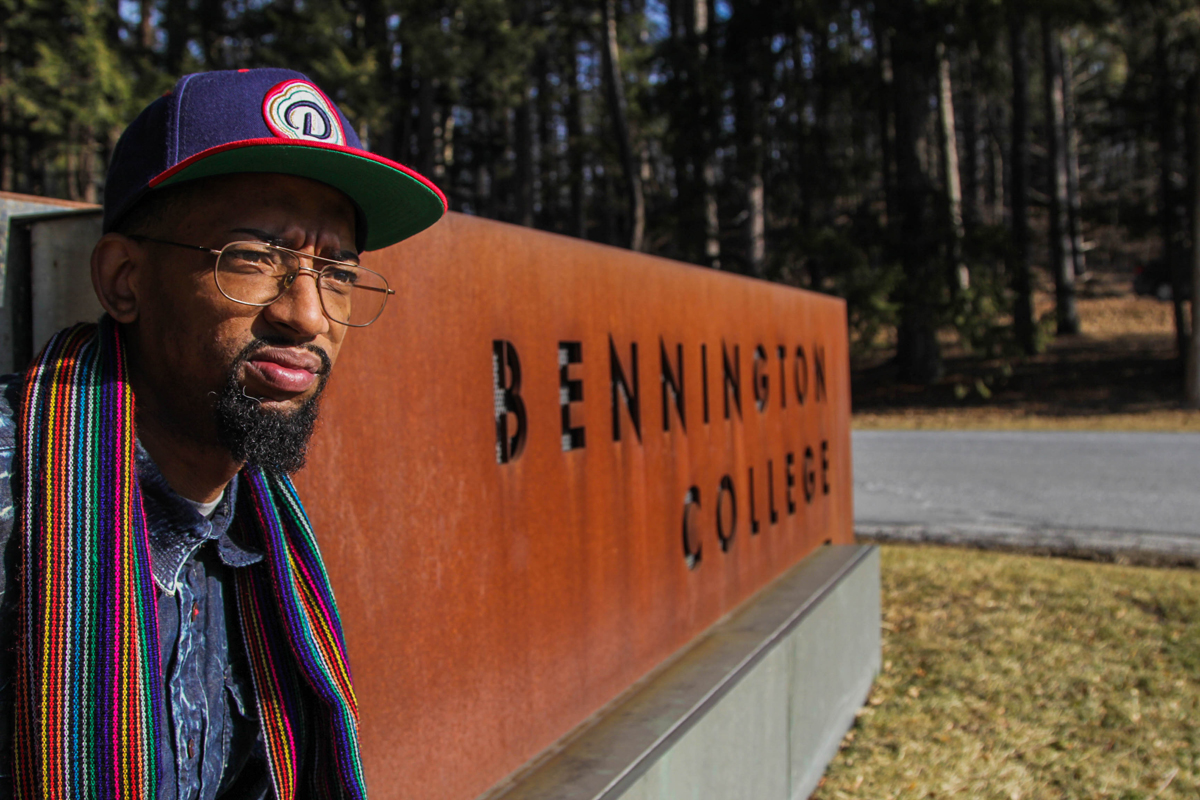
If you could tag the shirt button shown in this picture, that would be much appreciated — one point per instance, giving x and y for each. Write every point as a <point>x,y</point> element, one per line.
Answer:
<point>191,748</point>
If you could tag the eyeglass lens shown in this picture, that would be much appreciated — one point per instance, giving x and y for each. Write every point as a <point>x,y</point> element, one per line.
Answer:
<point>258,274</point>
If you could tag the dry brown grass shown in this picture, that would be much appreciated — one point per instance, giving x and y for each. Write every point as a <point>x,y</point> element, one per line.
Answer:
<point>1108,317</point>
<point>1009,676</point>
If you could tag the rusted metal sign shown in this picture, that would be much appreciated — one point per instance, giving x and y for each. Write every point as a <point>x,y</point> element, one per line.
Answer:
<point>546,469</point>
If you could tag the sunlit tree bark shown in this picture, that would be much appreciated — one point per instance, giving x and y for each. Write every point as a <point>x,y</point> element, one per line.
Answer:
<point>918,354</point>
<point>1023,326</point>
<point>1061,263</point>
<point>618,108</point>
<point>960,278</point>
<point>1071,143</point>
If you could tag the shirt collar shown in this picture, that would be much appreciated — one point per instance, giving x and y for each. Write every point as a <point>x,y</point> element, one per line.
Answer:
<point>176,529</point>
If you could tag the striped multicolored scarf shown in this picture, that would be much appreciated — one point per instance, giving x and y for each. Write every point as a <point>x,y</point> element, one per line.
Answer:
<point>90,702</point>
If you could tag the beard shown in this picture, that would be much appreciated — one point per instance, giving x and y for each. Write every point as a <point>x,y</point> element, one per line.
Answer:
<point>275,441</point>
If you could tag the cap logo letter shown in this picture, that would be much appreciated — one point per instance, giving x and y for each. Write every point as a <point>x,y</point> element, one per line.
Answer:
<point>298,110</point>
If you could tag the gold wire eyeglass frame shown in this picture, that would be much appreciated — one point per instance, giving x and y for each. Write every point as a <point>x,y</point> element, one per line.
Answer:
<point>288,279</point>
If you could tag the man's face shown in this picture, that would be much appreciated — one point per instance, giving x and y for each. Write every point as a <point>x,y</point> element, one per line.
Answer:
<point>193,347</point>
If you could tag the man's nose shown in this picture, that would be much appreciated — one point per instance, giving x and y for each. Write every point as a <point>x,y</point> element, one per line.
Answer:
<point>299,308</point>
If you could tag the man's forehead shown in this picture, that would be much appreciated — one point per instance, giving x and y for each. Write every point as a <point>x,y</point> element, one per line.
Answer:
<point>280,205</point>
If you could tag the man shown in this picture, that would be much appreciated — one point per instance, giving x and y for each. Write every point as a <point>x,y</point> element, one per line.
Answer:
<point>167,627</point>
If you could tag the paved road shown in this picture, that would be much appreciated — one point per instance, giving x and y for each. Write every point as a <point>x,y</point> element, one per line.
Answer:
<point>1122,493</point>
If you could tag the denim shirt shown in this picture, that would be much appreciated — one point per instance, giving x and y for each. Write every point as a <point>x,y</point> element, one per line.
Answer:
<point>210,744</point>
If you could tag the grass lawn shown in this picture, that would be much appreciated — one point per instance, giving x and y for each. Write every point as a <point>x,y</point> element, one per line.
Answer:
<point>1013,676</point>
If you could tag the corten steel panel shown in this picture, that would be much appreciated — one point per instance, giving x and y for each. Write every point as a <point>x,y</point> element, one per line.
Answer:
<point>490,608</point>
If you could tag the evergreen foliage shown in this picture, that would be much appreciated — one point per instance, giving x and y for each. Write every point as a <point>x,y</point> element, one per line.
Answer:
<point>804,141</point>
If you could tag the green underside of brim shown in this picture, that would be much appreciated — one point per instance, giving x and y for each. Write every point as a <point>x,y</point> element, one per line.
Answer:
<point>395,204</point>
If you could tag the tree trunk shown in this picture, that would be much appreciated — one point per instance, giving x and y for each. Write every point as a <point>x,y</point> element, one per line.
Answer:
<point>744,45</point>
<point>918,353</point>
<point>698,22</point>
<point>683,119</point>
<point>1192,374</point>
<point>608,221</point>
<point>712,219</point>
<point>145,25</point>
<point>175,20</point>
<point>1071,142</point>
<point>1166,157</point>
<point>1066,313</point>
<point>69,160</point>
<point>998,171</point>
<point>546,194</point>
<point>972,173</point>
<point>379,43</point>
<point>756,226</point>
<point>212,28</point>
<point>87,166</point>
<point>524,147</point>
<point>524,134</point>
<point>635,198</point>
<point>887,127</point>
<point>401,90</point>
<point>485,172</point>
<point>446,145</point>
<point>960,278</point>
<point>692,123</point>
<point>577,224</point>
<point>1022,283</point>
<point>425,98</point>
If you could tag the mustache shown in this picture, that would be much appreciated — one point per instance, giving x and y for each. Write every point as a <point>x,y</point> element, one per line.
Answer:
<point>262,343</point>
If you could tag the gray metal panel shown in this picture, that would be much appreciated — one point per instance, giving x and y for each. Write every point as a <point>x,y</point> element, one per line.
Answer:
<point>633,749</point>
<point>62,274</point>
<point>47,279</point>
<point>16,205</point>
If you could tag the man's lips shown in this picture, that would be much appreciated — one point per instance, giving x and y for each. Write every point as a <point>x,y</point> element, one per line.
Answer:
<point>285,370</point>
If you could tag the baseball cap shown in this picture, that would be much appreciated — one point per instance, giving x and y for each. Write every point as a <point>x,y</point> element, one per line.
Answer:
<point>265,120</point>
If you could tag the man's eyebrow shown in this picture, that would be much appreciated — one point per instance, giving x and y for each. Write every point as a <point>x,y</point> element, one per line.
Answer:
<point>261,235</point>
<point>340,255</point>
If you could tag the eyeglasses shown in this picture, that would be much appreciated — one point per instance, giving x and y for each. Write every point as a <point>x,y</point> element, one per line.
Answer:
<point>258,274</point>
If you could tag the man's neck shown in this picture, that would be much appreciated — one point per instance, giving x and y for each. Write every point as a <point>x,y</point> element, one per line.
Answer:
<point>195,471</point>
<point>182,441</point>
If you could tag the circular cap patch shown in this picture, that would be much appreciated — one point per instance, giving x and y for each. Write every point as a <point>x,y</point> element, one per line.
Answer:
<point>298,110</point>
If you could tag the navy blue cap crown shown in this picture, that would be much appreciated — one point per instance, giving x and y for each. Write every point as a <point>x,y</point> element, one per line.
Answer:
<point>269,121</point>
<point>211,110</point>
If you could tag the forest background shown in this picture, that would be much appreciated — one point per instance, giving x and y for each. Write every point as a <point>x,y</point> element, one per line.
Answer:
<point>934,162</point>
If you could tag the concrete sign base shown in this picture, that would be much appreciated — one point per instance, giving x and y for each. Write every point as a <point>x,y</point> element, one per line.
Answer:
<point>755,708</point>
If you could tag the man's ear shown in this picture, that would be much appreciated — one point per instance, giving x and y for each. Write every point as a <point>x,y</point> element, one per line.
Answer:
<point>115,260</point>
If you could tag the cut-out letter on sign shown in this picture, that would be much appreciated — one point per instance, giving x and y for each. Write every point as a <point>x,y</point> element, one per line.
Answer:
<point>570,391</point>
<point>506,397</point>
<point>624,388</point>
<point>726,497</point>
<point>762,384</point>
<point>691,535</point>
<point>672,385</point>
